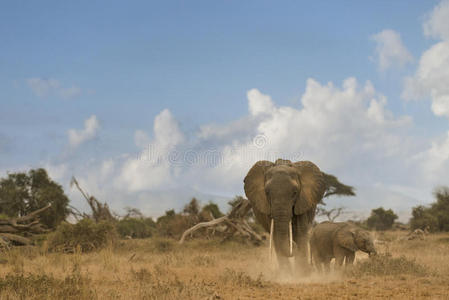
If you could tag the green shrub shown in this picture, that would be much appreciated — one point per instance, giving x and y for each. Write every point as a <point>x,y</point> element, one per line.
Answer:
<point>381,219</point>
<point>136,227</point>
<point>85,235</point>
<point>213,209</point>
<point>434,217</point>
<point>173,225</point>
<point>23,193</point>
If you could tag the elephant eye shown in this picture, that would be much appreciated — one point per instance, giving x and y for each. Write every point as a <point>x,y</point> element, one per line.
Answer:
<point>295,193</point>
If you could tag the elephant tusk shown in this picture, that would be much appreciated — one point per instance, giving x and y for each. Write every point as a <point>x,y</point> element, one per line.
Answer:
<point>271,239</point>
<point>290,237</point>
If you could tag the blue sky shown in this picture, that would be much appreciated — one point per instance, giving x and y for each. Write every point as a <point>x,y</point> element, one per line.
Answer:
<point>125,63</point>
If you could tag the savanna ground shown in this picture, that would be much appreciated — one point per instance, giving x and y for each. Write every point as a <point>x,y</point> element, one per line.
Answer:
<point>205,269</point>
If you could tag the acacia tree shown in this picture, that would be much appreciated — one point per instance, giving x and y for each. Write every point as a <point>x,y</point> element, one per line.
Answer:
<point>333,187</point>
<point>22,193</point>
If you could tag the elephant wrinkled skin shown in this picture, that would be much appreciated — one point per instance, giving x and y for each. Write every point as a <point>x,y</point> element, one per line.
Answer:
<point>340,241</point>
<point>286,193</point>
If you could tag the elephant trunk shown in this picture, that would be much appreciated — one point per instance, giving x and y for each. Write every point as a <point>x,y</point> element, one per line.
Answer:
<point>282,237</point>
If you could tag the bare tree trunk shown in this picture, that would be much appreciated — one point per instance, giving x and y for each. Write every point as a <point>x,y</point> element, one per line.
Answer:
<point>234,222</point>
<point>11,229</point>
<point>100,211</point>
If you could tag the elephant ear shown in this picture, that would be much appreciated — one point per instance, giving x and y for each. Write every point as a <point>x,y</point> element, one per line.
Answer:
<point>312,186</point>
<point>255,186</point>
<point>345,238</point>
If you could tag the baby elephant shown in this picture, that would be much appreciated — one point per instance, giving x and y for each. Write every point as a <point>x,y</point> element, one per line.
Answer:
<point>339,240</point>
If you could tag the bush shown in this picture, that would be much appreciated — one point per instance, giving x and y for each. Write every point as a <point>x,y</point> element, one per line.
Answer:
<point>385,264</point>
<point>173,225</point>
<point>381,219</point>
<point>85,235</point>
<point>136,227</point>
<point>213,209</point>
<point>436,216</point>
<point>422,218</point>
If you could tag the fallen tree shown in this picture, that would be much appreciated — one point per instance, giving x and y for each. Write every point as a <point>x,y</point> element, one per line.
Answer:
<point>100,211</point>
<point>234,223</point>
<point>19,230</point>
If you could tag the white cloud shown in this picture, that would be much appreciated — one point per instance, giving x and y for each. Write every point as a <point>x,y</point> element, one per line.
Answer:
<point>43,88</point>
<point>71,92</point>
<point>437,22</point>
<point>152,169</point>
<point>141,139</point>
<point>390,51</point>
<point>89,132</point>
<point>166,131</point>
<point>259,103</point>
<point>432,76</point>
<point>431,79</point>
<point>57,172</point>
<point>434,161</point>
<point>346,130</point>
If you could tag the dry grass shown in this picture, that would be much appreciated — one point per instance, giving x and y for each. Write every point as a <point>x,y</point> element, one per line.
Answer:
<point>162,269</point>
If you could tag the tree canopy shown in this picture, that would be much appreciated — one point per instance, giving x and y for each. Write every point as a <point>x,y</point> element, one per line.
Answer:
<point>381,219</point>
<point>335,187</point>
<point>435,216</point>
<point>21,193</point>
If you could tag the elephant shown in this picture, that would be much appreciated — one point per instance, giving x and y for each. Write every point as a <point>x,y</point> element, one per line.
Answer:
<point>284,196</point>
<point>338,240</point>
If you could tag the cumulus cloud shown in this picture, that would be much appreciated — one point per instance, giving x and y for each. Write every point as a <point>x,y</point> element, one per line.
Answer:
<point>430,81</point>
<point>431,78</point>
<point>43,87</point>
<point>432,75</point>
<point>259,103</point>
<point>347,129</point>
<point>390,51</point>
<point>152,168</point>
<point>89,132</point>
<point>434,161</point>
<point>437,22</point>
<point>141,138</point>
<point>335,127</point>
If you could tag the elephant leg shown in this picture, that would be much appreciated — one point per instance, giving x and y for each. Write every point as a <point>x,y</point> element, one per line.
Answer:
<point>284,265</point>
<point>340,254</point>
<point>350,258</point>
<point>300,232</point>
<point>327,265</point>
<point>339,261</point>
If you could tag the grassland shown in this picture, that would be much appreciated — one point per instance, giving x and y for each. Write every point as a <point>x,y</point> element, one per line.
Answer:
<point>206,269</point>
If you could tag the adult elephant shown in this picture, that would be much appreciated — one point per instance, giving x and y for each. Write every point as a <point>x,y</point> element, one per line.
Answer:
<point>284,196</point>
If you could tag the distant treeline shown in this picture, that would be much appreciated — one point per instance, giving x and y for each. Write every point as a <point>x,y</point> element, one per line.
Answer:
<point>21,193</point>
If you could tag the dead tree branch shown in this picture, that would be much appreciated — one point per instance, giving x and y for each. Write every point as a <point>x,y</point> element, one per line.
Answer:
<point>11,230</point>
<point>234,223</point>
<point>331,214</point>
<point>100,211</point>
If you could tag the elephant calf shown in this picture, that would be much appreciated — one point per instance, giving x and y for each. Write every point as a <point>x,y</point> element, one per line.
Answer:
<point>338,240</point>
